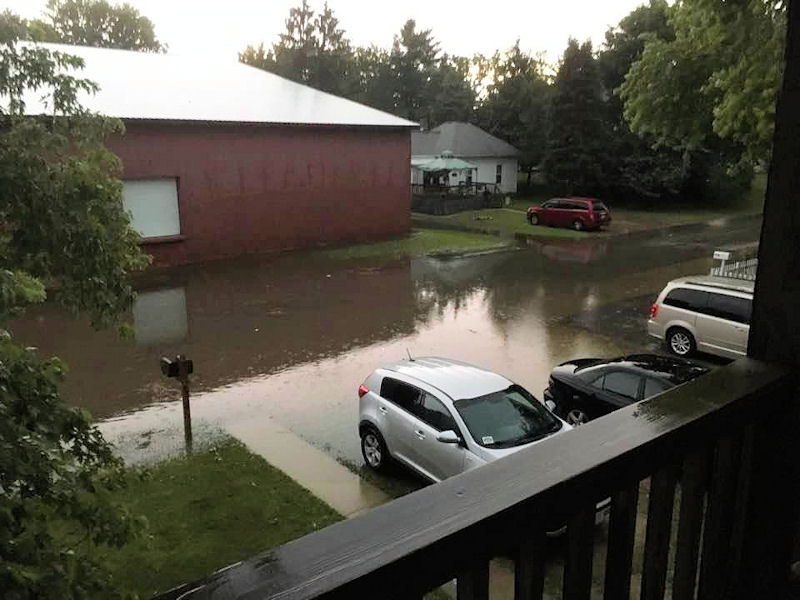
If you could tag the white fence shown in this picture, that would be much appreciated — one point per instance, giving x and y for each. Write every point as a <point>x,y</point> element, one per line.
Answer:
<point>739,269</point>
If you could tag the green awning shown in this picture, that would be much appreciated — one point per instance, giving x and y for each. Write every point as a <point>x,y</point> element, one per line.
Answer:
<point>446,162</point>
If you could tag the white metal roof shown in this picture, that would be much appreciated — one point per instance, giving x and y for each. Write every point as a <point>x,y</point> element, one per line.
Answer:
<point>139,85</point>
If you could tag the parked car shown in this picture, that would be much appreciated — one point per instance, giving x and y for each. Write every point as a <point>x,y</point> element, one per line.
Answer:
<point>584,389</point>
<point>710,314</point>
<point>441,417</point>
<point>574,212</point>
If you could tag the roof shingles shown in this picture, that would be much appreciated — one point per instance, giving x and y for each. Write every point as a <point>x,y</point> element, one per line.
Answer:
<point>462,139</point>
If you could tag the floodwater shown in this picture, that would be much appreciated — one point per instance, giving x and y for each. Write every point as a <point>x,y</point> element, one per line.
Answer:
<point>284,342</point>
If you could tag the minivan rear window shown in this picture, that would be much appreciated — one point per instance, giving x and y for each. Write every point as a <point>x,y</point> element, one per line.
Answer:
<point>573,204</point>
<point>732,308</point>
<point>694,300</point>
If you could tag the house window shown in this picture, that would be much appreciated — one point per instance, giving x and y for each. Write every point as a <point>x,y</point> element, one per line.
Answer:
<point>153,204</point>
<point>498,178</point>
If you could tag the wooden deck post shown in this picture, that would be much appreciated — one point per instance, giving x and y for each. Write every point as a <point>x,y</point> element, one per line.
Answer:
<point>775,326</point>
<point>771,524</point>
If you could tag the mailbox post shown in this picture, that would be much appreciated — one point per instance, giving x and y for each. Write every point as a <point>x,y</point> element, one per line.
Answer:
<point>180,369</point>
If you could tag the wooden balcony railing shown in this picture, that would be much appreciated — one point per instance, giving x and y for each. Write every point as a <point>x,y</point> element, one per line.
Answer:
<point>719,455</point>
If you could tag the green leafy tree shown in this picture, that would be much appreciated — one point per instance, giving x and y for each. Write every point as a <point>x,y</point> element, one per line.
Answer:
<point>374,80</point>
<point>415,60</point>
<point>61,223</point>
<point>313,51</point>
<point>576,149</point>
<point>637,168</point>
<point>516,103</point>
<point>96,23</point>
<point>718,77</point>
<point>452,97</point>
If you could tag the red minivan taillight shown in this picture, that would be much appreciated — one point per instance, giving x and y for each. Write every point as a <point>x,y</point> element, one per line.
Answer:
<point>362,389</point>
<point>654,311</point>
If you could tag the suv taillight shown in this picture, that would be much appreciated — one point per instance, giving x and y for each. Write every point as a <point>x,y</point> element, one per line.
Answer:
<point>362,389</point>
<point>654,311</point>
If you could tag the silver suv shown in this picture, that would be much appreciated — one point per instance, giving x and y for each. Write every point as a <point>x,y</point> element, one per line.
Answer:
<point>441,417</point>
<point>710,314</point>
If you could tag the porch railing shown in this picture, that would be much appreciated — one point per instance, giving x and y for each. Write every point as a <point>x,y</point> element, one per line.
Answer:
<point>461,189</point>
<point>718,453</point>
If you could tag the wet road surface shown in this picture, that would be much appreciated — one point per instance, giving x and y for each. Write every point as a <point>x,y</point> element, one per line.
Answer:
<point>285,341</point>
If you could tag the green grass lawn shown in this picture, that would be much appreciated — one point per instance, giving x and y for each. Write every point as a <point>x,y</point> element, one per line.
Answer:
<point>499,221</point>
<point>421,241</point>
<point>209,510</point>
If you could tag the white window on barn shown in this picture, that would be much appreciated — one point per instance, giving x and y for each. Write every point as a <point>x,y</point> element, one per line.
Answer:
<point>153,204</point>
<point>498,178</point>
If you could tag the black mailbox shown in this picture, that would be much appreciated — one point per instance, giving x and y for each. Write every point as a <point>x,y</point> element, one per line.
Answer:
<point>176,368</point>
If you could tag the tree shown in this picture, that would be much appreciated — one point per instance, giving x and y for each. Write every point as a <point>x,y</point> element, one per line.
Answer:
<point>576,149</point>
<point>61,222</point>
<point>96,23</point>
<point>636,166</point>
<point>313,51</point>
<point>414,59</point>
<point>452,96</point>
<point>718,77</point>
<point>516,104</point>
<point>373,78</point>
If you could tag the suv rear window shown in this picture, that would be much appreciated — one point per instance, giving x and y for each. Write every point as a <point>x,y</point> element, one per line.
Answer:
<point>694,300</point>
<point>402,394</point>
<point>731,308</point>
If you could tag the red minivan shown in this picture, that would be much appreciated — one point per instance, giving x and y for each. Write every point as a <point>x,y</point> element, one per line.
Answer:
<point>574,212</point>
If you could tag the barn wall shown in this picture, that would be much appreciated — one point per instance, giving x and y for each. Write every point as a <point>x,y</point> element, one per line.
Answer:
<point>256,189</point>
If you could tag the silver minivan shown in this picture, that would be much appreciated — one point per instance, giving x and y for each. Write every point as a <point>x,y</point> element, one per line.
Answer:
<point>705,313</point>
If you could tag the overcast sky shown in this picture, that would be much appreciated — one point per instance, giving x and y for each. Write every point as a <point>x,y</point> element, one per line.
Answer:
<point>224,27</point>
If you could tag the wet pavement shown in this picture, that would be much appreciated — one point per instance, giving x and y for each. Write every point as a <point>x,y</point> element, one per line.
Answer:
<point>282,343</point>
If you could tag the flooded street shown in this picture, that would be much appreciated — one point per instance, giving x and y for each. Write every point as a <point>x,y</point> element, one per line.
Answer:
<point>282,343</point>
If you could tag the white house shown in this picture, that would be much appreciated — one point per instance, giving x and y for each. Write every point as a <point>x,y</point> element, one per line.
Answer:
<point>496,160</point>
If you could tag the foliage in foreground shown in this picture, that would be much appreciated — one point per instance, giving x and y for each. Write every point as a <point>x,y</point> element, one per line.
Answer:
<point>718,76</point>
<point>62,224</point>
<point>57,474</point>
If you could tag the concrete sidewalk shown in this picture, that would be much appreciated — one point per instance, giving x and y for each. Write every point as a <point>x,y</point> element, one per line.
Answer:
<point>316,471</point>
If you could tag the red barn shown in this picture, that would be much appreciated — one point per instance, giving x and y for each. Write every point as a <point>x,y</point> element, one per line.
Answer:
<point>222,159</point>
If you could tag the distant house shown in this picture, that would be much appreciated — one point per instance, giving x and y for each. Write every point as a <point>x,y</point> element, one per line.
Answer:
<point>221,159</point>
<point>496,160</point>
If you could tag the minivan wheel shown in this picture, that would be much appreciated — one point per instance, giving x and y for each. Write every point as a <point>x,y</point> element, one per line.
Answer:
<point>533,219</point>
<point>680,342</point>
<point>373,449</point>
<point>577,225</point>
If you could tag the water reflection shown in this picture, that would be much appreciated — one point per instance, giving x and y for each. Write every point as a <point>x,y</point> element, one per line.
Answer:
<point>159,317</point>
